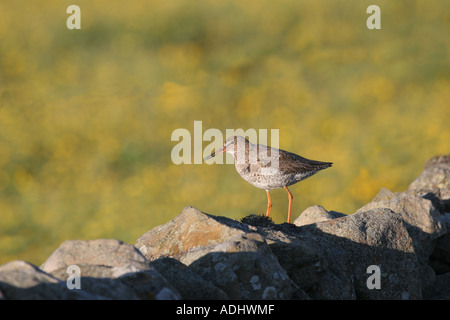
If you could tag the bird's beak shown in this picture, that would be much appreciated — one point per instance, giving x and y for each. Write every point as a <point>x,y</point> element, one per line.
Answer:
<point>215,153</point>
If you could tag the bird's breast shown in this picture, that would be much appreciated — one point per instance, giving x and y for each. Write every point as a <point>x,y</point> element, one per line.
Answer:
<point>264,177</point>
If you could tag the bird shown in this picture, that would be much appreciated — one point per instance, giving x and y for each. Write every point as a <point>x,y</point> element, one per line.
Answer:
<point>269,168</point>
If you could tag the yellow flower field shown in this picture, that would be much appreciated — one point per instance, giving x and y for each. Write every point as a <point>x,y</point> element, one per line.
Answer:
<point>86,116</point>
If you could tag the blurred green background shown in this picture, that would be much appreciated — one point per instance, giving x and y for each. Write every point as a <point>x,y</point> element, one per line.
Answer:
<point>86,116</point>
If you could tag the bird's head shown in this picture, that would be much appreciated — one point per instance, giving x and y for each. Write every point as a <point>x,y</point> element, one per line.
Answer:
<point>231,145</point>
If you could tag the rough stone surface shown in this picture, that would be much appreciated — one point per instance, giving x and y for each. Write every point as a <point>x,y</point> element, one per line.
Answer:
<point>315,214</point>
<point>24,281</point>
<point>244,267</point>
<point>435,179</point>
<point>418,211</point>
<point>440,258</point>
<point>190,229</point>
<point>109,269</point>
<point>376,237</point>
<point>112,253</point>
<point>423,219</point>
<point>329,259</point>
<point>186,281</point>
<point>299,255</point>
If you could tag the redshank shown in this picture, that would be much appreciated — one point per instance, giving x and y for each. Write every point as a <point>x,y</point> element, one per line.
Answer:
<point>269,168</point>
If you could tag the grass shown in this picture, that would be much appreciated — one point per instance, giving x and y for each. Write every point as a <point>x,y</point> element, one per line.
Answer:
<point>86,116</point>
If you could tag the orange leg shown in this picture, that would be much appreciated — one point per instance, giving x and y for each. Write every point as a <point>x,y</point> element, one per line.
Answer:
<point>269,203</point>
<point>291,197</point>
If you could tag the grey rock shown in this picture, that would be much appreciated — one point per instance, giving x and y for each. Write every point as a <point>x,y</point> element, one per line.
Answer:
<point>436,175</point>
<point>376,237</point>
<point>109,268</point>
<point>121,257</point>
<point>384,195</point>
<point>187,282</point>
<point>243,267</point>
<point>435,178</point>
<point>329,259</point>
<point>440,258</point>
<point>190,229</point>
<point>104,282</point>
<point>423,219</point>
<point>20,280</point>
<point>325,260</point>
<point>315,214</point>
<point>298,253</point>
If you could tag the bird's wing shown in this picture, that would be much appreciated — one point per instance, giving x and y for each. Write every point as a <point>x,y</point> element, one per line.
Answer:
<point>293,163</point>
<point>265,156</point>
<point>287,162</point>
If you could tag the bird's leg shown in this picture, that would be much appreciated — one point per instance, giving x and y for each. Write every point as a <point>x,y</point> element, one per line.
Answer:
<point>291,197</point>
<point>269,203</point>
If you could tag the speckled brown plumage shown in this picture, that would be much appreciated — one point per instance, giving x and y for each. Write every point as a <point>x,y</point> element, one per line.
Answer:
<point>269,168</point>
